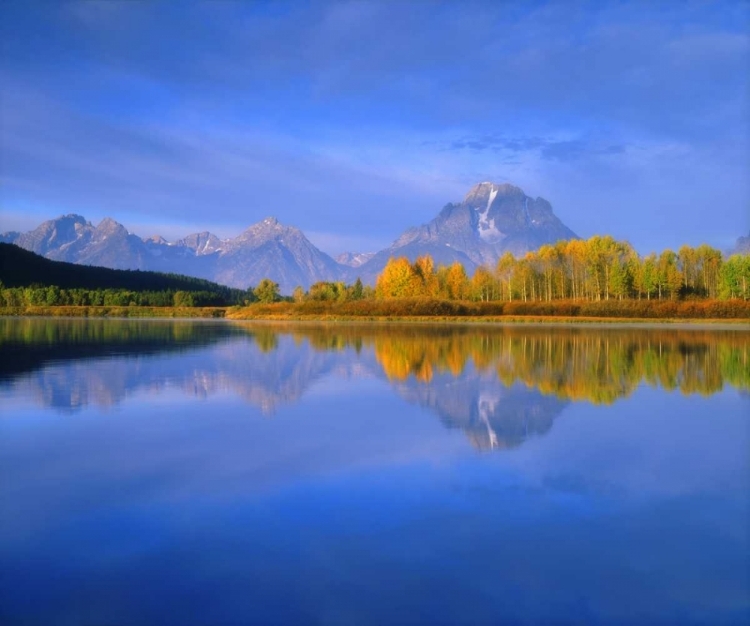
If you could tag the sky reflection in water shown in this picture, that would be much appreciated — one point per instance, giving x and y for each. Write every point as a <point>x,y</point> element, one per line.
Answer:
<point>189,472</point>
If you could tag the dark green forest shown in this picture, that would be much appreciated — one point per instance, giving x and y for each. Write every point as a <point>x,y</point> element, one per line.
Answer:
<point>27,279</point>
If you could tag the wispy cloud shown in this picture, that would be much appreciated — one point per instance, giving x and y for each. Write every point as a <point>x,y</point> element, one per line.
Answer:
<point>548,148</point>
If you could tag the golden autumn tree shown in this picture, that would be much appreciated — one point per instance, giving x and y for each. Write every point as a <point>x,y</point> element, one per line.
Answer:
<point>426,279</point>
<point>396,279</point>
<point>457,282</point>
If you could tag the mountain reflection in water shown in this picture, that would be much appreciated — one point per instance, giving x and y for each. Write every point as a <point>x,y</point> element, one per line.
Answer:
<point>499,384</point>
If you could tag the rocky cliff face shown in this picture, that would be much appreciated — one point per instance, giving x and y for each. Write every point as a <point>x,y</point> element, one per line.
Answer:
<point>491,220</point>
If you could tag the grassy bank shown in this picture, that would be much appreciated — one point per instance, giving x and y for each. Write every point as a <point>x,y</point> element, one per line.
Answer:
<point>449,310</point>
<point>113,311</point>
<point>426,310</point>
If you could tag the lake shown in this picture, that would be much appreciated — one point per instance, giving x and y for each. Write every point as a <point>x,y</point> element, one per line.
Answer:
<point>195,472</point>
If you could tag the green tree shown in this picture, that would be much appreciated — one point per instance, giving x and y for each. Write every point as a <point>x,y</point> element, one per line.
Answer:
<point>267,291</point>
<point>649,275</point>
<point>620,280</point>
<point>358,290</point>
<point>183,298</point>
<point>52,296</point>
<point>669,277</point>
<point>735,277</point>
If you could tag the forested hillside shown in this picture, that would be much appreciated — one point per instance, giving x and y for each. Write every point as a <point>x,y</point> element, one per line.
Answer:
<point>29,279</point>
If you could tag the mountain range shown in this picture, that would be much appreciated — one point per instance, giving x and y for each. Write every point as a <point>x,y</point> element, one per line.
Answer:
<point>492,219</point>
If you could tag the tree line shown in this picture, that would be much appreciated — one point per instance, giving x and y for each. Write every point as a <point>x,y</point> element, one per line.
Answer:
<point>267,291</point>
<point>597,269</point>
<point>55,296</point>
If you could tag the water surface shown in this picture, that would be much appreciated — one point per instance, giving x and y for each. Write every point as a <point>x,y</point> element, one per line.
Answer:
<point>215,473</point>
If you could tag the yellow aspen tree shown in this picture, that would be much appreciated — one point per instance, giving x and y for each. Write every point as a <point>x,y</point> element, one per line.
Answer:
<point>458,282</point>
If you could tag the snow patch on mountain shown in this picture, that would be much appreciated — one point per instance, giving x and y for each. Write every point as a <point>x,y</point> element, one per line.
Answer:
<point>486,226</point>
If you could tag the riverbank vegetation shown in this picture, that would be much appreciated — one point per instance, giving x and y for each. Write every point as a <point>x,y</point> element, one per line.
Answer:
<point>113,311</point>
<point>423,308</point>
<point>597,278</point>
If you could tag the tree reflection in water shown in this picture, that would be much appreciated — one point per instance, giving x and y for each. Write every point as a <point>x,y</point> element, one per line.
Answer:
<point>499,384</point>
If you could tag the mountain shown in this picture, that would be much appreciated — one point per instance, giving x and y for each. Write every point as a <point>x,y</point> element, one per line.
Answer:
<point>491,220</point>
<point>9,237</point>
<point>267,249</point>
<point>354,259</point>
<point>741,246</point>
<point>72,239</point>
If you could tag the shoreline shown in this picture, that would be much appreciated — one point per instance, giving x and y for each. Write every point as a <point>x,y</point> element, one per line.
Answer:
<point>121,312</point>
<point>241,315</point>
<point>733,324</point>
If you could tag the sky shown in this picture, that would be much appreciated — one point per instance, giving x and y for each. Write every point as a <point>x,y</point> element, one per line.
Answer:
<point>356,120</point>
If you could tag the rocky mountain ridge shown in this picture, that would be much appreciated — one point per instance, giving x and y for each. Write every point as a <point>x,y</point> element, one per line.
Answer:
<point>267,249</point>
<point>491,219</point>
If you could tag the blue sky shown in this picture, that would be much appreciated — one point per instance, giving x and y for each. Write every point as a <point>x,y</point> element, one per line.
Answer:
<point>356,120</point>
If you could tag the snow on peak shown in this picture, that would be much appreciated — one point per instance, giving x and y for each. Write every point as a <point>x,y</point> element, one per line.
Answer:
<point>491,199</point>
<point>486,226</point>
<point>479,192</point>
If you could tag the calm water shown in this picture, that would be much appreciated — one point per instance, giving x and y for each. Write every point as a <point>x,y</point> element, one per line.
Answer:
<point>213,473</point>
